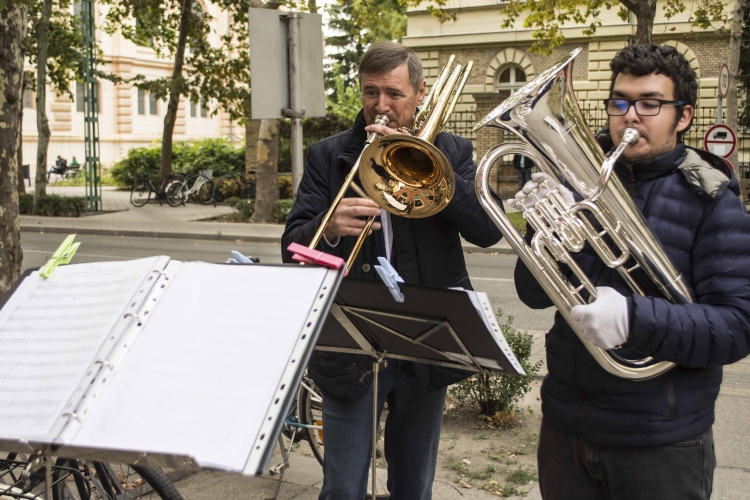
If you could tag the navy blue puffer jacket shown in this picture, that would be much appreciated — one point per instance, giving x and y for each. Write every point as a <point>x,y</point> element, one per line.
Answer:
<point>689,200</point>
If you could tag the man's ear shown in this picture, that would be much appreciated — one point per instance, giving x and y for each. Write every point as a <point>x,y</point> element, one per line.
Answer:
<point>686,118</point>
<point>420,93</point>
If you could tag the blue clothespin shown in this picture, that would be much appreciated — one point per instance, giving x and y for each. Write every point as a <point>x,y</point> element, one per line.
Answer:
<point>391,278</point>
<point>62,255</point>
<point>241,259</point>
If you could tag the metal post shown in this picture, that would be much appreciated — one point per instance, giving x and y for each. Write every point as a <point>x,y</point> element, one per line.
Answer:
<point>295,98</point>
<point>91,111</point>
<point>719,102</point>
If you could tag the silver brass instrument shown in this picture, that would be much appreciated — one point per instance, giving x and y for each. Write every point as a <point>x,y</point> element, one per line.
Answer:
<point>406,174</point>
<point>545,116</point>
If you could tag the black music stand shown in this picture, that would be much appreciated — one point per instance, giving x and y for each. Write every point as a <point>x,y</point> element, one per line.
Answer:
<point>438,326</point>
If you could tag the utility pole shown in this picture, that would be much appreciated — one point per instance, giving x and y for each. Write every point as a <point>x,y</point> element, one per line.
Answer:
<point>91,110</point>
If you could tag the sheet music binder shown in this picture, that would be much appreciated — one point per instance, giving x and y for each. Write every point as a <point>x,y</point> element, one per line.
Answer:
<point>172,379</point>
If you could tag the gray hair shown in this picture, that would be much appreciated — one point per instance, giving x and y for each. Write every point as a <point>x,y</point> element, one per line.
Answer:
<point>383,57</point>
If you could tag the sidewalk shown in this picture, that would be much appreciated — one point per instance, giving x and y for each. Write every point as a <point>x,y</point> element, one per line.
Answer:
<point>162,221</point>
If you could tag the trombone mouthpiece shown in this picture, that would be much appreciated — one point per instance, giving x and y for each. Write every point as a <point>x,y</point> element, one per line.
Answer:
<point>383,120</point>
<point>630,136</point>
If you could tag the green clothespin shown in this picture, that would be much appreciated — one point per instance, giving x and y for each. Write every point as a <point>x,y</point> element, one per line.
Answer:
<point>62,255</point>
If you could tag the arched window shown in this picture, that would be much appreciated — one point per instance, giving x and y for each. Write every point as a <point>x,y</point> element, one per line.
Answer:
<point>509,79</point>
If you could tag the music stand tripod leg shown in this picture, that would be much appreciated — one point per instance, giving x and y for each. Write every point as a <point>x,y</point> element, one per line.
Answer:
<point>375,373</point>
<point>38,461</point>
<point>285,457</point>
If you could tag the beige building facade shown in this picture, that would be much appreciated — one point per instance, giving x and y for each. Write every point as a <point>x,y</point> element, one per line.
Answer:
<point>504,63</point>
<point>128,117</point>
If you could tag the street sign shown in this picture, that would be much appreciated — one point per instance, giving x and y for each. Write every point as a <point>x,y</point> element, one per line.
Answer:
<point>720,140</point>
<point>724,80</point>
<point>269,63</point>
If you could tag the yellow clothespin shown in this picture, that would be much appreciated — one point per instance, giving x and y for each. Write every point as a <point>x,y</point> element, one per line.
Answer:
<point>62,255</point>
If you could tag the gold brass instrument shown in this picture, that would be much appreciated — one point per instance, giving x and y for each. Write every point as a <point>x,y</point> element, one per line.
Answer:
<point>545,116</point>
<point>406,174</point>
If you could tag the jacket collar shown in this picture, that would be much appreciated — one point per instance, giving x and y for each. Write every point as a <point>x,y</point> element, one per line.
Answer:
<point>356,140</point>
<point>654,168</point>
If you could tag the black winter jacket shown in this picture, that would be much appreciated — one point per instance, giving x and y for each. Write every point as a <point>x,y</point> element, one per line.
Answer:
<point>425,251</point>
<point>689,200</point>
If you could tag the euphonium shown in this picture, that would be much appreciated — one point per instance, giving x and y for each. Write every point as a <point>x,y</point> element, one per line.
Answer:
<point>406,174</point>
<point>545,115</point>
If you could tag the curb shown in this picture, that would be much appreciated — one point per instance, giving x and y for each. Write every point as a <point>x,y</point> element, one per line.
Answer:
<point>203,236</point>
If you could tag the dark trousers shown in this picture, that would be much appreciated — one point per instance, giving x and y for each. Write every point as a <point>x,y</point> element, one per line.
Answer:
<point>524,176</point>
<point>572,468</point>
<point>412,435</point>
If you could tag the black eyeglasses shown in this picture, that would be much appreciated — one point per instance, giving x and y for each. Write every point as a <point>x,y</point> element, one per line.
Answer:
<point>643,107</point>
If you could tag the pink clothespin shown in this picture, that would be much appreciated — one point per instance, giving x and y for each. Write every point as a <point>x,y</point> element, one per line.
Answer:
<point>308,256</point>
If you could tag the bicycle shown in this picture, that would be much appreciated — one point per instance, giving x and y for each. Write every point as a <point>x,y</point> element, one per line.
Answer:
<point>78,480</point>
<point>201,189</point>
<point>144,188</point>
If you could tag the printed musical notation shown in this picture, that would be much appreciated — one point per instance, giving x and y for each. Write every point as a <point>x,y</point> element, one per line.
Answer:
<point>50,332</point>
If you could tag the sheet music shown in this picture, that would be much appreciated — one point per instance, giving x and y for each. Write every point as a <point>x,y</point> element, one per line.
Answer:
<point>201,375</point>
<point>50,332</point>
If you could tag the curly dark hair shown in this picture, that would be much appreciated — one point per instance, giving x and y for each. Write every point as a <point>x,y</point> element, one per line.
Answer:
<point>642,60</point>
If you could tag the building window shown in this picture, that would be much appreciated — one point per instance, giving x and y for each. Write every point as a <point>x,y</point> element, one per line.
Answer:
<point>509,79</point>
<point>193,110</point>
<point>204,109</point>
<point>141,102</point>
<point>29,98</point>
<point>78,9</point>
<point>153,104</point>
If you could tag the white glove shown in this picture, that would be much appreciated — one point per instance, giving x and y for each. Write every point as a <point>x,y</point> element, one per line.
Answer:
<point>543,183</point>
<point>605,321</point>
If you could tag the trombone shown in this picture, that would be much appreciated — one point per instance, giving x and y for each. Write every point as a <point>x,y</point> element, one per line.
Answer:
<point>406,175</point>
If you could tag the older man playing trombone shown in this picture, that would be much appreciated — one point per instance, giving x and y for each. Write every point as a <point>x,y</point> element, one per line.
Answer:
<point>424,250</point>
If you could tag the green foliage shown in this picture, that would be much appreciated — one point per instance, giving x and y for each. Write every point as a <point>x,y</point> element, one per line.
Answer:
<point>52,205</point>
<point>244,208</point>
<point>495,392</point>
<point>348,100</point>
<point>521,476</point>
<point>285,187</point>
<point>189,158</point>
<point>281,210</point>
<point>79,179</point>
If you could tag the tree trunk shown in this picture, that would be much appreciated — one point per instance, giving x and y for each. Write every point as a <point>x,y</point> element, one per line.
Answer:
<point>644,11</point>
<point>174,92</point>
<point>251,143</point>
<point>42,123</point>
<point>13,26</point>
<point>735,39</point>
<point>266,177</point>
<point>312,6</point>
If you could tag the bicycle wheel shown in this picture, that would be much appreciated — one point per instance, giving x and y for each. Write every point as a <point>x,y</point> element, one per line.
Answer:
<point>205,194</point>
<point>115,481</point>
<point>176,193</point>
<point>310,408</point>
<point>140,195</point>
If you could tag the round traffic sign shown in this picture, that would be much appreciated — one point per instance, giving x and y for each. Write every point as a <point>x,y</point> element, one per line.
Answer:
<point>724,80</point>
<point>720,140</point>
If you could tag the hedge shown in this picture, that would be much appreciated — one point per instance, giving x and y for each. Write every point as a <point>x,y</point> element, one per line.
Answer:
<point>52,205</point>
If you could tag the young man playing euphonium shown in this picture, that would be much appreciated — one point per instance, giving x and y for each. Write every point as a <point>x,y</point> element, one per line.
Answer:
<point>604,437</point>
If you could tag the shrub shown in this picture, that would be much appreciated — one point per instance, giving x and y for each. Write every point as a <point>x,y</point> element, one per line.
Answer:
<point>494,392</point>
<point>285,187</point>
<point>80,179</point>
<point>243,207</point>
<point>281,210</point>
<point>52,205</point>
<point>217,155</point>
